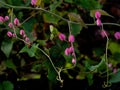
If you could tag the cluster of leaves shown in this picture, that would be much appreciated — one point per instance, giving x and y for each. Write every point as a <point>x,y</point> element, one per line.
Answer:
<point>42,27</point>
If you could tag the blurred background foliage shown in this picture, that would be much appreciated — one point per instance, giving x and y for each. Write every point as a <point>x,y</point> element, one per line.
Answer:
<point>19,62</point>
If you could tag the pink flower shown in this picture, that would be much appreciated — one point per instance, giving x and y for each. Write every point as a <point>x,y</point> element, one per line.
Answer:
<point>97,14</point>
<point>33,2</point>
<point>98,22</point>
<point>27,39</point>
<point>10,25</point>
<point>1,19</point>
<point>9,34</point>
<point>67,51</point>
<point>16,22</point>
<point>117,35</point>
<point>6,18</point>
<point>62,37</point>
<point>22,32</point>
<point>14,35</point>
<point>71,49</point>
<point>115,70</point>
<point>74,61</point>
<point>103,33</point>
<point>110,65</point>
<point>71,38</point>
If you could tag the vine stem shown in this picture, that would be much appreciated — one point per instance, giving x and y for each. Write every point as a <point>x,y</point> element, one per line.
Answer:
<point>14,28</point>
<point>106,84</point>
<point>64,19</point>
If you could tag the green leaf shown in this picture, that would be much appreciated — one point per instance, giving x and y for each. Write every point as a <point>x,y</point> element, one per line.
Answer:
<point>55,5</point>
<point>99,66</point>
<point>31,51</point>
<point>90,79</point>
<point>77,18</point>
<point>1,88</point>
<point>51,72</point>
<point>115,78</point>
<point>7,85</point>
<point>29,25</point>
<point>114,47</point>
<point>11,65</point>
<point>92,13</point>
<point>6,47</point>
<point>88,4</point>
<point>75,28</point>
<point>49,18</point>
<point>69,1</point>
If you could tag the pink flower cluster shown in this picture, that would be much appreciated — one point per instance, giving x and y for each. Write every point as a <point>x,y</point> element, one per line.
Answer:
<point>22,33</point>
<point>3,19</point>
<point>97,16</point>
<point>13,25</point>
<point>69,50</point>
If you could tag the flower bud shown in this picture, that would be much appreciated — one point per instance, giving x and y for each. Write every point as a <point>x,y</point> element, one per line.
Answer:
<point>33,2</point>
<point>71,49</point>
<point>97,14</point>
<point>71,38</point>
<point>73,61</point>
<point>62,37</point>
<point>6,18</point>
<point>14,35</point>
<point>22,32</point>
<point>9,34</point>
<point>117,35</point>
<point>115,70</point>
<point>67,52</point>
<point>1,19</point>
<point>16,22</point>
<point>98,22</point>
<point>10,25</point>
<point>27,39</point>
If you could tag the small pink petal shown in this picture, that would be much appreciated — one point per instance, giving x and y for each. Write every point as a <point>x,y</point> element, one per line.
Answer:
<point>22,32</point>
<point>16,22</point>
<point>97,14</point>
<point>71,38</point>
<point>9,34</point>
<point>117,35</point>
<point>62,37</point>
<point>98,22</point>
<point>1,19</point>
<point>10,25</point>
<point>6,18</point>
<point>74,61</point>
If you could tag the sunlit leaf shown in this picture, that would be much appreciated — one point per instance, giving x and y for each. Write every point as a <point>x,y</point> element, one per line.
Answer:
<point>38,3</point>
<point>54,32</point>
<point>114,47</point>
